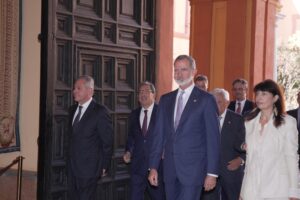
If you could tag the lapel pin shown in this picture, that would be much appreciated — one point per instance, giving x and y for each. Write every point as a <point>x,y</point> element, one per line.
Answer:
<point>195,100</point>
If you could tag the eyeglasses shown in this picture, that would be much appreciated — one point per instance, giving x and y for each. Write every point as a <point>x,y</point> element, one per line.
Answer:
<point>238,89</point>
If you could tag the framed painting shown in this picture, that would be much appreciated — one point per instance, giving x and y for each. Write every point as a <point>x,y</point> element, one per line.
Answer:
<point>10,36</point>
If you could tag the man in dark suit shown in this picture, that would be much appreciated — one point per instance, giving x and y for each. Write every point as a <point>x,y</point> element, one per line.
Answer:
<point>232,156</point>
<point>296,114</point>
<point>241,104</point>
<point>140,131</point>
<point>90,141</point>
<point>187,135</point>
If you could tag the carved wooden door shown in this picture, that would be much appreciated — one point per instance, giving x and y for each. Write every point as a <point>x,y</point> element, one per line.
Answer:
<point>111,40</point>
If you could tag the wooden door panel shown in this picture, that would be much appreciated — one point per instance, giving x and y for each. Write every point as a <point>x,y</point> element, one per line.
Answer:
<point>112,41</point>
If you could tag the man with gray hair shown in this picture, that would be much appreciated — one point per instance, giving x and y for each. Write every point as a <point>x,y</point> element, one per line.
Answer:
<point>186,134</point>
<point>90,141</point>
<point>232,157</point>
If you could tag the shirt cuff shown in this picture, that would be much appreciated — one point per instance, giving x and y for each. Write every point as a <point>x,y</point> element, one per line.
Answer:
<point>213,175</point>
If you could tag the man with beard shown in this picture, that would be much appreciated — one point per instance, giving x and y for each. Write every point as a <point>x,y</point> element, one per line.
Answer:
<point>187,135</point>
<point>7,131</point>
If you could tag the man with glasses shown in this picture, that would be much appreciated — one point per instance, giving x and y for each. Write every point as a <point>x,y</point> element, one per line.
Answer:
<point>140,130</point>
<point>241,104</point>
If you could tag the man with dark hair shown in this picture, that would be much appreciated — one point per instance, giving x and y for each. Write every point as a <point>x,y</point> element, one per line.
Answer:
<point>140,134</point>
<point>201,81</point>
<point>90,141</point>
<point>241,104</point>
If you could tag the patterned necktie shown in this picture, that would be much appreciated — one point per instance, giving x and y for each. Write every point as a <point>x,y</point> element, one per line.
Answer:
<point>179,109</point>
<point>77,118</point>
<point>239,108</point>
<point>144,125</point>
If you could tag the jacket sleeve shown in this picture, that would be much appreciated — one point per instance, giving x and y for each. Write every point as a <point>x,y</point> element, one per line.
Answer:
<point>106,134</point>
<point>130,134</point>
<point>291,155</point>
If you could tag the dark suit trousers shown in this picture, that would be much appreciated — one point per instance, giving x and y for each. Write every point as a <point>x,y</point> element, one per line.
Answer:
<point>225,190</point>
<point>177,191</point>
<point>140,184</point>
<point>82,188</point>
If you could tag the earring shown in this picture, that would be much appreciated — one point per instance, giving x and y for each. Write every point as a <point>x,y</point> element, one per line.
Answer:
<point>275,110</point>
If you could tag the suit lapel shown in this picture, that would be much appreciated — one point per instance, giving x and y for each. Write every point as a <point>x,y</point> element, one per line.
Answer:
<point>152,120</point>
<point>226,123</point>
<point>171,107</point>
<point>137,119</point>
<point>88,111</point>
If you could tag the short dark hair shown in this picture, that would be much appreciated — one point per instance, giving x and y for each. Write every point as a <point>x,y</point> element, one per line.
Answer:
<point>192,62</point>
<point>151,86</point>
<point>240,80</point>
<point>201,77</point>
<point>272,87</point>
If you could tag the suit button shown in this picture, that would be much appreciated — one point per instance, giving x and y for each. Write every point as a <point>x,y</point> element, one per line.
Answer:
<point>145,141</point>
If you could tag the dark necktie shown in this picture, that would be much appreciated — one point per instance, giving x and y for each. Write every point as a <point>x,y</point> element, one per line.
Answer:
<point>179,109</point>
<point>77,118</point>
<point>144,125</point>
<point>239,108</point>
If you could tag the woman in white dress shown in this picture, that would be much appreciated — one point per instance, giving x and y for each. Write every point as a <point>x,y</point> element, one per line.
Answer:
<point>271,170</point>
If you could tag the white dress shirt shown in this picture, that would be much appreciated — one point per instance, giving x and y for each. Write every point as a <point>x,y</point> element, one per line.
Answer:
<point>242,104</point>
<point>149,113</point>
<point>84,107</point>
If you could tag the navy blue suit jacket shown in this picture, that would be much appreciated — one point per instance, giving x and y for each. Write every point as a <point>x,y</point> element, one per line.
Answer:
<point>248,107</point>
<point>192,150</point>
<point>138,144</point>
<point>90,141</point>
<point>232,137</point>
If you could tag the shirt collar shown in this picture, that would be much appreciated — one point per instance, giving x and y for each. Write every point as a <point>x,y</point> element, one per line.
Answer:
<point>223,114</point>
<point>188,90</point>
<point>150,108</point>
<point>86,104</point>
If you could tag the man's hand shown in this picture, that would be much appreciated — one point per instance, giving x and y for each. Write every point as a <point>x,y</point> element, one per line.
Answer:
<point>153,177</point>
<point>210,183</point>
<point>127,157</point>
<point>234,164</point>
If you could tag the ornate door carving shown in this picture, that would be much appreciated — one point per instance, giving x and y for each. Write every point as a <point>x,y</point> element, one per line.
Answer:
<point>111,40</point>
